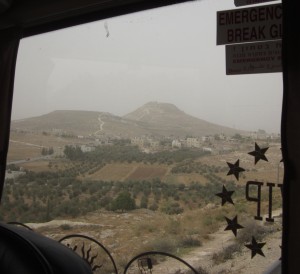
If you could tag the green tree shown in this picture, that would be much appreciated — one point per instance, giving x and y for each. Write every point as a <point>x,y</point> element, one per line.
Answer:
<point>144,202</point>
<point>73,153</point>
<point>123,202</point>
<point>50,151</point>
<point>237,136</point>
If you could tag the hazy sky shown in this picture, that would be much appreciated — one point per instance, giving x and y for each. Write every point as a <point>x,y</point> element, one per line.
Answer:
<point>165,55</point>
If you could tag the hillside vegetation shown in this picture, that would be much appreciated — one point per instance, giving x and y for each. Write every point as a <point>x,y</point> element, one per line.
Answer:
<point>152,119</point>
<point>74,186</point>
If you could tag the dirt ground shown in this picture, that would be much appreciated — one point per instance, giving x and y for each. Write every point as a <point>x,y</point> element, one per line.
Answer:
<point>106,230</point>
<point>241,263</point>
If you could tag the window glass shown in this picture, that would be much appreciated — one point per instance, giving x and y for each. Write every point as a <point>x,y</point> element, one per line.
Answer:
<point>129,130</point>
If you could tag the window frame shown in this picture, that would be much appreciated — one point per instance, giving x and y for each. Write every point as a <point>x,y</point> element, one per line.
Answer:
<point>31,18</point>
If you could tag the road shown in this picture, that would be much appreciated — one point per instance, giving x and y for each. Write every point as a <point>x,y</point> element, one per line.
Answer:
<point>101,124</point>
<point>27,144</point>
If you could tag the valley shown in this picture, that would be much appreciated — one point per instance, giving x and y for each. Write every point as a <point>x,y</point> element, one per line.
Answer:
<point>145,181</point>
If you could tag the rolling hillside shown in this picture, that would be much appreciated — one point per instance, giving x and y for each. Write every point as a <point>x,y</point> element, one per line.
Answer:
<point>157,119</point>
<point>166,119</point>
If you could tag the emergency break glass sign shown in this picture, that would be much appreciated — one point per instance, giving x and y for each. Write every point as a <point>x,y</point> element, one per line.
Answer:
<point>249,24</point>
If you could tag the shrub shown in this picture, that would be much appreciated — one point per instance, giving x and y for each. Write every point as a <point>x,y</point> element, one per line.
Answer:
<point>65,227</point>
<point>163,244</point>
<point>251,228</point>
<point>173,227</point>
<point>153,207</point>
<point>123,202</point>
<point>226,253</point>
<point>144,202</point>
<point>199,269</point>
<point>189,241</point>
<point>172,208</point>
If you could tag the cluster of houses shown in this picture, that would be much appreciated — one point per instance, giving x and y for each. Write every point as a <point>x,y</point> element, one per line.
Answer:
<point>218,143</point>
<point>150,144</point>
<point>192,142</point>
<point>215,144</point>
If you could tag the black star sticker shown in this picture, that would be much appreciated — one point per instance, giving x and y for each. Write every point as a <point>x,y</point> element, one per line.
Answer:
<point>225,195</point>
<point>255,248</point>
<point>259,153</point>
<point>235,169</point>
<point>233,225</point>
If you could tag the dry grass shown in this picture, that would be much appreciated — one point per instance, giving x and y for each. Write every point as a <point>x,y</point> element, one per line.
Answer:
<point>140,230</point>
<point>21,152</point>
<point>113,172</point>
<point>37,166</point>
<point>227,253</point>
<point>28,145</point>
<point>186,179</point>
<point>133,171</point>
<point>148,172</point>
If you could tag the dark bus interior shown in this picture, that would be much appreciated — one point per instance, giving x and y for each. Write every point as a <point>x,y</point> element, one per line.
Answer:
<point>21,19</point>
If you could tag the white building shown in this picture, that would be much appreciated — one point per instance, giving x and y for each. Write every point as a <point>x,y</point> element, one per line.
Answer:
<point>86,148</point>
<point>207,149</point>
<point>176,144</point>
<point>193,142</point>
<point>208,138</point>
<point>138,141</point>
